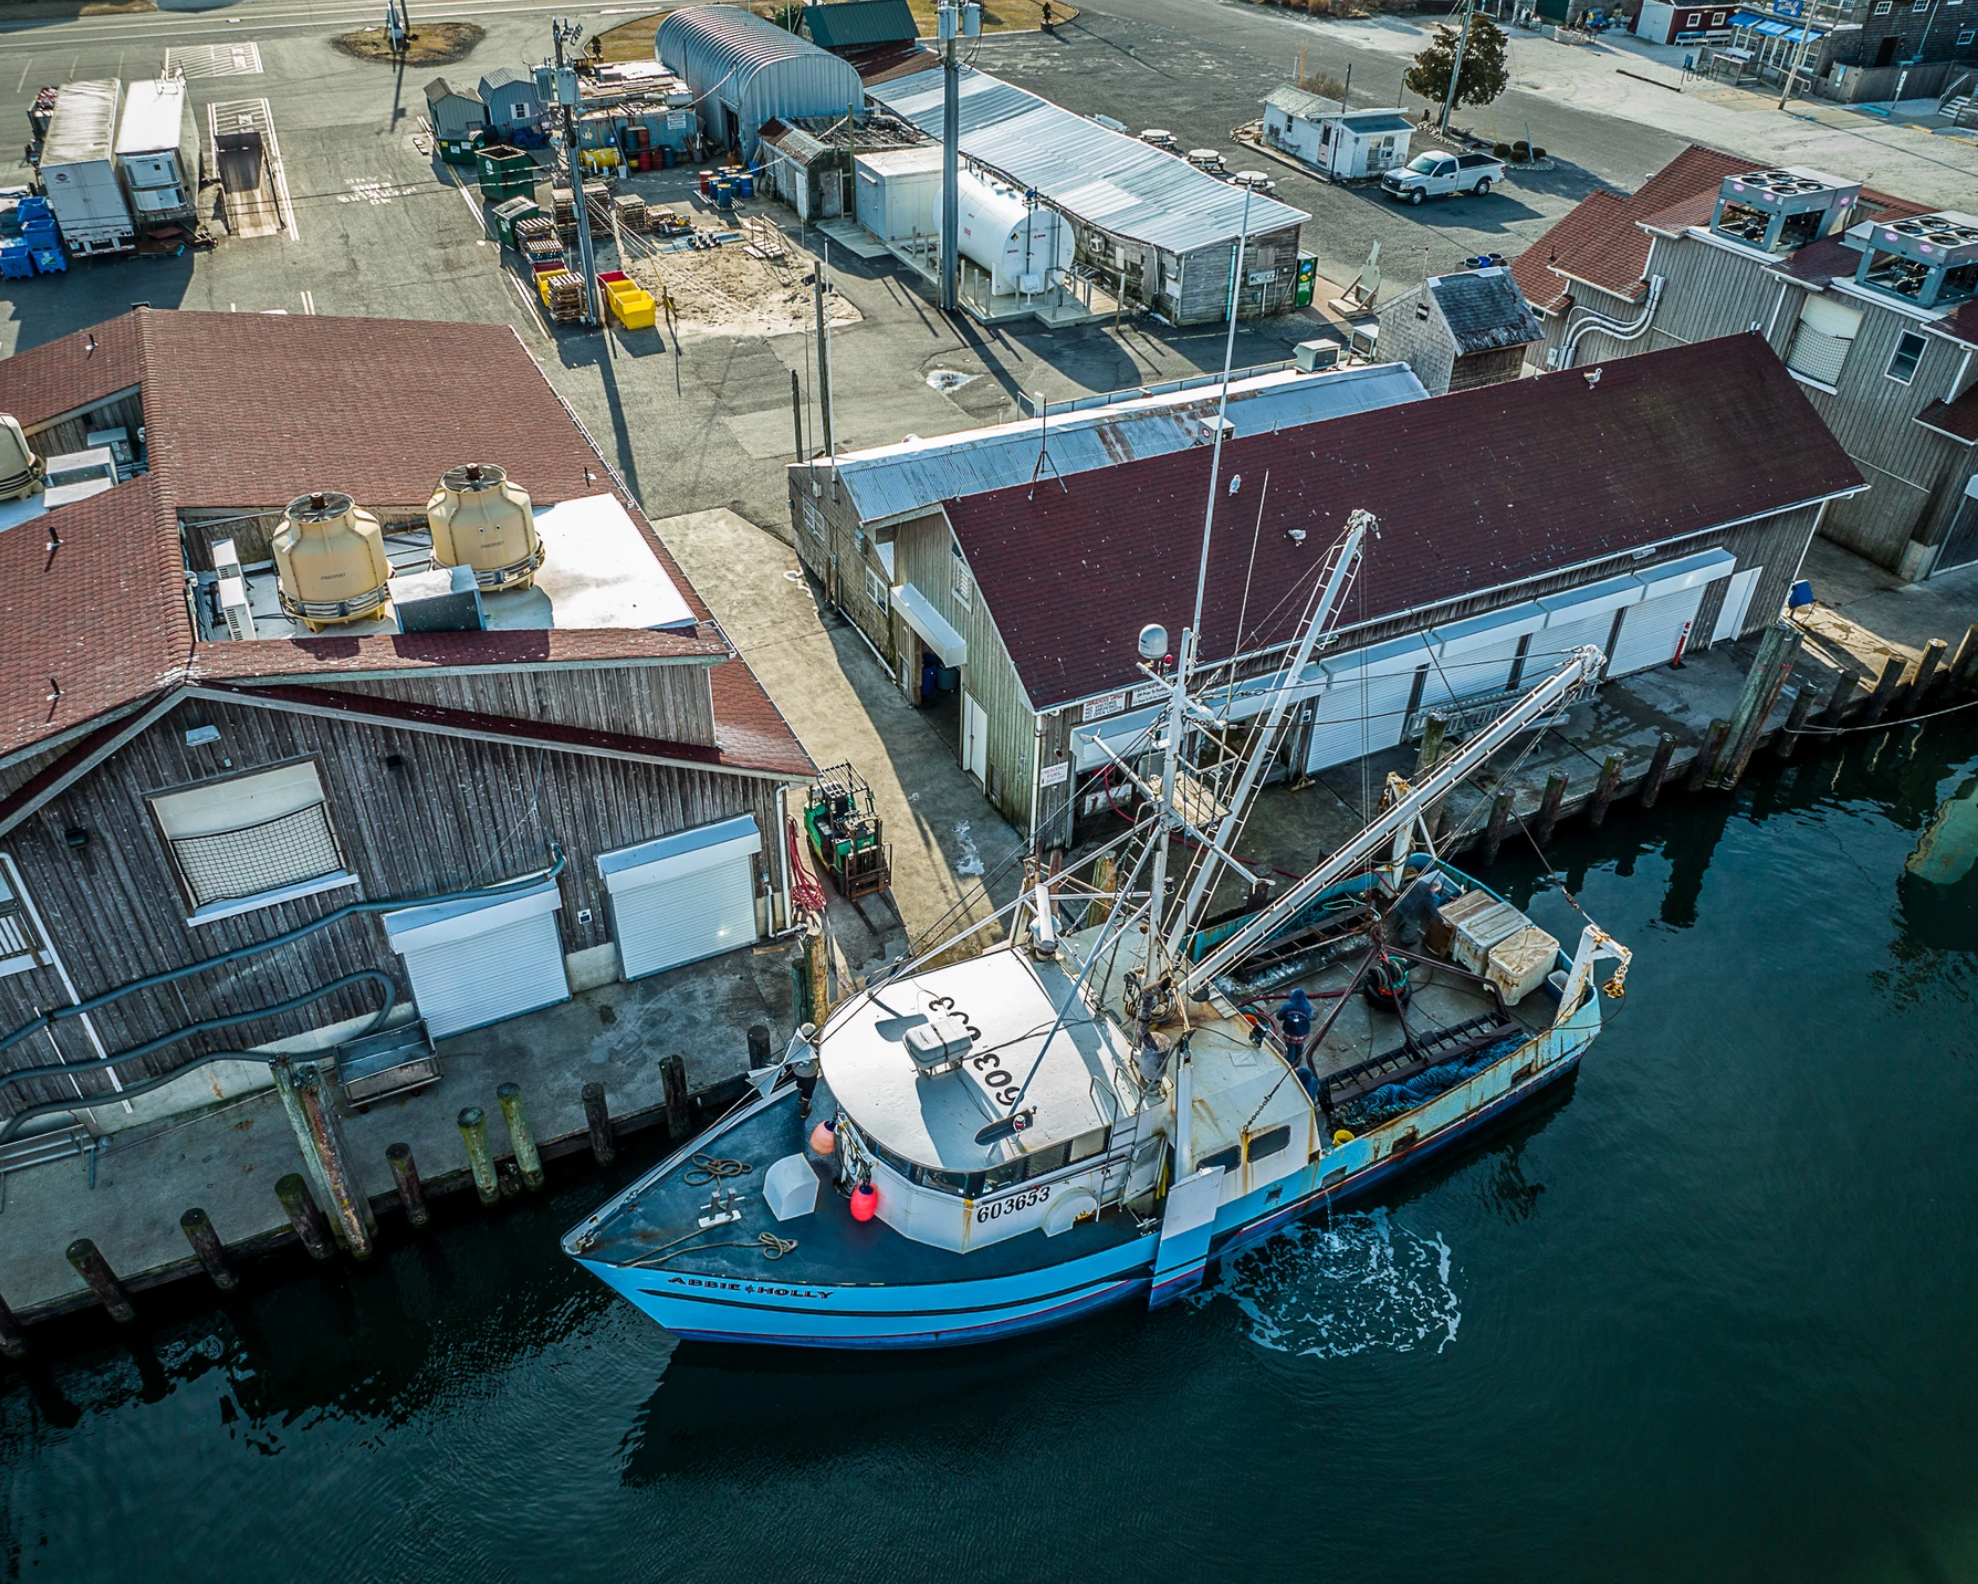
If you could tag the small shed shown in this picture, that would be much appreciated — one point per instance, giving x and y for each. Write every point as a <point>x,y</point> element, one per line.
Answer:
<point>1347,145</point>
<point>511,101</point>
<point>860,24</point>
<point>744,70</point>
<point>1460,331</point>
<point>458,117</point>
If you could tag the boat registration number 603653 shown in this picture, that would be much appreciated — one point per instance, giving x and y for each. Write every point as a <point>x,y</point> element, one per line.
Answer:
<point>996,1209</point>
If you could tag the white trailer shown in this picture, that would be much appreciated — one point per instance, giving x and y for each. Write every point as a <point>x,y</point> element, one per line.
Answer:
<point>158,153</point>
<point>79,173</point>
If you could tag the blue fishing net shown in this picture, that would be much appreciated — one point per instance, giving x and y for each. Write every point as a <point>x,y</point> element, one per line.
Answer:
<point>1392,1100</point>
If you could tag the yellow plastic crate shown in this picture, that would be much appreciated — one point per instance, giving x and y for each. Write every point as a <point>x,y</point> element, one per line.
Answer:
<point>636,308</point>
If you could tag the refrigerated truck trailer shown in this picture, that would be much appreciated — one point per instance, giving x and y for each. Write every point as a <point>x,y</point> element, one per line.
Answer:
<point>79,172</point>
<point>158,153</point>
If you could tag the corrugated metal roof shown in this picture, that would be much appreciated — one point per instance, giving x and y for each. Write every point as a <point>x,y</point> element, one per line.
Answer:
<point>508,76</point>
<point>724,46</point>
<point>1297,102</point>
<point>84,125</point>
<point>154,116</point>
<point>892,482</point>
<point>1105,178</point>
<point>855,24</point>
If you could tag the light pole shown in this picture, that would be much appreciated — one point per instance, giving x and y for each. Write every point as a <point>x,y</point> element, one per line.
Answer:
<point>955,20</point>
<point>566,97</point>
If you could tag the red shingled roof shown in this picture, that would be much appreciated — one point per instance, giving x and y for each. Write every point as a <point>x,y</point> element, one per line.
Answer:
<point>99,621</point>
<point>1473,491</point>
<point>246,411</point>
<point>1958,419</point>
<point>1961,322</point>
<point>1600,241</point>
<point>1819,262</point>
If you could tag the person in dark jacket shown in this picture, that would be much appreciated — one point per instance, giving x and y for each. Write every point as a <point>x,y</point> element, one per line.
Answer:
<point>1294,1020</point>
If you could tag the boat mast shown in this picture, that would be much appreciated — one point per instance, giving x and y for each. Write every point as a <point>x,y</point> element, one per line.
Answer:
<point>1582,668</point>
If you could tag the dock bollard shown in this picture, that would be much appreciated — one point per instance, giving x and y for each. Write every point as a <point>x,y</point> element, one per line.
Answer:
<point>474,1133</point>
<point>1548,809</point>
<point>1604,790</point>
<point>1963,668</point>
<point>304,1216</point>
<point>1658,767</point>
<point>675,1070</point>
<point>198,1229</point>
<point>93,1268</point>
<point>597,1120</point>
<point>405,1178</point>
<point>1925,679</point>
<point>508,1178</point>
<point>527,1161</point>
<point>12,1344</point>
<point>1706,756</point>
<point>1500,816</point>
<point>759,1045</point>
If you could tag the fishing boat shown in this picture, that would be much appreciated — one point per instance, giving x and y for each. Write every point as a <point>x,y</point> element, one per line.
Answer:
<point>1129,1087</point>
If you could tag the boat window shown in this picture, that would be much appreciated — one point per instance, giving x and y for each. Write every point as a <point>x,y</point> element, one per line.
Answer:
<point>1086,1145</point>
<point>1007,1175</point>
<point>1226,1159</point>
<point>946,1181</point>
<point>904,1167</point>
<point>1270,1143</point>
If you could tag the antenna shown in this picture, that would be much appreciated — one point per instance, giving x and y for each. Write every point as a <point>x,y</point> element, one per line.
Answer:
<point>1216,458</point>
<point>1044,449</point>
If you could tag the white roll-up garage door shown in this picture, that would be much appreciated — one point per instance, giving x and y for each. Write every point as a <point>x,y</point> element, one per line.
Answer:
<point>1474,656</point>
<point>1652,629</point>
<point>1576,618</point>
<point>476,962</point>
<point>1365,703</point>
<point>683,897</point>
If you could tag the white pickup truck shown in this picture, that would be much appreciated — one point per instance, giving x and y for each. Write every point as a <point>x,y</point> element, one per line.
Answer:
<point>1435,174</point>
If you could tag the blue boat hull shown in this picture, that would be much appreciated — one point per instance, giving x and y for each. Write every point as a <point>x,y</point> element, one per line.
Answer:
<point>707,1308</point>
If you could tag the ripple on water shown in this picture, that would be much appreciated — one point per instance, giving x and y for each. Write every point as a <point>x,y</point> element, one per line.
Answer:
<point>1355,1284</point>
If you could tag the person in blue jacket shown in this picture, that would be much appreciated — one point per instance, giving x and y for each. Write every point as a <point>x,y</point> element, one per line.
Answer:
<point>1294,1019</point>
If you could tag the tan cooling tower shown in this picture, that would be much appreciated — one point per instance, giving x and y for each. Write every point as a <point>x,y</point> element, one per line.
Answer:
<point>480,520</point>
<point>20,468</point>
<point>330,557</point>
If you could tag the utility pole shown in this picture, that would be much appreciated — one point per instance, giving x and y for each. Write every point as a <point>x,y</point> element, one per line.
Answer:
<point>957,19</point>
<point>1799,55</point>
<point>1455,70</point>
<point>823,360</point>
<point>567,97</point>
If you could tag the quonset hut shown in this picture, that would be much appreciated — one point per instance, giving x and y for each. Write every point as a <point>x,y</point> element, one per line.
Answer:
<point>744,71</point>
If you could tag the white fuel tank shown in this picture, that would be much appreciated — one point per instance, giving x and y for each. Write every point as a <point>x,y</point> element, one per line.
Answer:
<point>1021,247</point>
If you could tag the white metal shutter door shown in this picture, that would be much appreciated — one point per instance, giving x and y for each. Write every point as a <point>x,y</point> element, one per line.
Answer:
<point>1358,715</point>
<point>1552,645</point>
<point>1650,631</point>
<point>468,983</point>
<point>1737,603</point>
<point>685,918</point>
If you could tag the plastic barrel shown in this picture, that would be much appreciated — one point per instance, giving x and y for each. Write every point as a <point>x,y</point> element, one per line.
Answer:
<point>707,183</point>
<point>746,183</point>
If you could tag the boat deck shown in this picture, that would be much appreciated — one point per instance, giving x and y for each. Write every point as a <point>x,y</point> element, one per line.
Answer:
<point>829,1243</point>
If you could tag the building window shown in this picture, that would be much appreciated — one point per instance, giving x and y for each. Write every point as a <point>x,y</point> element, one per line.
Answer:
<point>1884,7</point>
<point>1967,36</point>
<point>963,585</point>
<point>1717,19</point>
<point>21,946</point>
<point>1696,19</point>
<point>875,589</point>
<point>1903,361</point>
<point>1821,340</point>
<point>251,840</point>
<point>814,522</point>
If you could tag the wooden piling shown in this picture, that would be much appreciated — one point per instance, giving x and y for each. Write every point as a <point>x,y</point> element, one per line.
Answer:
<point>293,1191</point>
<point>1838,700</point>
<point>674,1069</point>
<point>1500,814</point>
<point>93,1268</point>
<point>349,1206</point>
<point>800,1008</point>
<point>12,1344</point>
<point>817,964</point>
<point>597,1121</point>
<point>1434,819</point>
<point>1658,767</point>
<point>516,1115</point>
<point>405,1178</point>
<point>1548,808</point>
<point>1604,789</point>
<point>474,1133</point>
<point>1434,729</point>
<point>1925,681</point>
<point>198,1230</point>
<point>1885,690</point>
<point>1964,669</point>
<point>1778,648</point>
<point>1706,756</point>
<point>1105,876</point>
<point>508,1178</point>
<point>1788,739</point>
<point>759,1046</point>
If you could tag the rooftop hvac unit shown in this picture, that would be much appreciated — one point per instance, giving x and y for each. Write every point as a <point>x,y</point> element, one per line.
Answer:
<point>1315,355</point>
<point>1930,260</point>
<point>1782,210</point>
<point>481,520</point>
<point>330,560</point>
<point>446,599</point>
<point>235,613</point>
